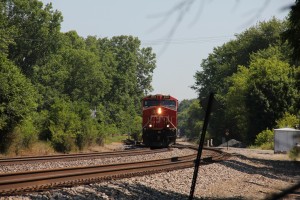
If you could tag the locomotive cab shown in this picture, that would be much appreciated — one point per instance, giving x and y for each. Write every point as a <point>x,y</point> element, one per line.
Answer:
<point>159,120</point>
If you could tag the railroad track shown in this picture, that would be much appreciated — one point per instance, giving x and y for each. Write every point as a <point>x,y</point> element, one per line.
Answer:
<point>78,156</point>
<point>22,182</point>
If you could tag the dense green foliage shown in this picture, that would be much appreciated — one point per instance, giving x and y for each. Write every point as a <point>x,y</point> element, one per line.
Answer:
<point>288,120</point>
<point>63,88</point>
<point>293,31</point>
<point>255,82</point>
<point>267,92</point>
<point>190,118</point>
<point>265,139</point>
<point>17,100</point>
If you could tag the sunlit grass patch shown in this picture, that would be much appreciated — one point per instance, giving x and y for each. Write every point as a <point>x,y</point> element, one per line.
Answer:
<point>115,138</point>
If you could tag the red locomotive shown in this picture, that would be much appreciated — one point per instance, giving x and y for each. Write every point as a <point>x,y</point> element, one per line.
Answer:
<point>159,120</point>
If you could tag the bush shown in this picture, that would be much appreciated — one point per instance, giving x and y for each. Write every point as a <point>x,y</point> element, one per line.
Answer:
<point>22,137</point>
<point>62,142</point>
<point>64,126</point>
<point>88,135</point>
<point>265,139</point>
<point>29,133</point>
<point>106,131</point>
<point>72,127</point>
<point>14,142</point>
<point>136,128</point>
<point>288,120</point>
<point>42,124</point>
<point>294,153</point>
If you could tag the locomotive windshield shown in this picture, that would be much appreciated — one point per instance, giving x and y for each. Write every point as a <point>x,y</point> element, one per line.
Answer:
<point>149,103</point>
<point>166,103</point>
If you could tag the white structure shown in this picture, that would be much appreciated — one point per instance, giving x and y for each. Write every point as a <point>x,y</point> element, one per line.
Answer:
<point>285,139</point>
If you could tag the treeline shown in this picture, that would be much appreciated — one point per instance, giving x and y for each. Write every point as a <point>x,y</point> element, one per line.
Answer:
<point>256,80</point>
<point>190,118</point>
<point>62,88</point>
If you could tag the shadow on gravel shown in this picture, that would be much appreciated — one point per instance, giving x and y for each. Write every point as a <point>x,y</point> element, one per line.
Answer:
<point>139,191</point>
<point>275,169</point>
<point>120,191</point>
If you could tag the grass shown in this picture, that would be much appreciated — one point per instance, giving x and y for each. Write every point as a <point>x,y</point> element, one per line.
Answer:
<point>115,138</point>
<point>265,146</point>
<point>37,149</point>
<point>44,148</point>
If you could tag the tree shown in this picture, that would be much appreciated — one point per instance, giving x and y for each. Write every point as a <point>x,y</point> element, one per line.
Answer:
<point>146,65</point>
<point>292,34</point>
<point>190,118</point>
<point>74,77</point>
<point>74,72</point>
<point>37,32</point>
<point>237,112</point>
<point>259,95</point>
<point>17,100</point>
<point>271,92</point>
<point>183,115</point>
<point>223,63</point>
<point>6,32</point>
<point>224,60</point>
<point>129,71</point>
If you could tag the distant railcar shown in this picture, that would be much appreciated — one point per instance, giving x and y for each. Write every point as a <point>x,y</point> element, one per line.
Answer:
<point>159,120</point>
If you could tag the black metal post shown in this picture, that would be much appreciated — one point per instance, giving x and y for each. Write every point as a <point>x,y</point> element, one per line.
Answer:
<point>201,144</point>
<point>227,136</point>
<point>227,144</point>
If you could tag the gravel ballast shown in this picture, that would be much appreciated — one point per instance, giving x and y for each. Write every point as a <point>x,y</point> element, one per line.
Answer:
<point>89,162</point>
<point>248,174</point>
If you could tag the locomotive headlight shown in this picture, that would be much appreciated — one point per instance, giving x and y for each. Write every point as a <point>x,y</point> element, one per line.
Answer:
<point>150,125</point>
<point>159,111</point>
<point>168,125</point>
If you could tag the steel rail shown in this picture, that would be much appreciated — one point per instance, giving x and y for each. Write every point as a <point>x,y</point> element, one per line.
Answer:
<point>51,158</point>
<point>20,181</point>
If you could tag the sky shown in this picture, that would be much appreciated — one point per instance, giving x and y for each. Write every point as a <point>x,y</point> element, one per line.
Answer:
<point>181,36</point>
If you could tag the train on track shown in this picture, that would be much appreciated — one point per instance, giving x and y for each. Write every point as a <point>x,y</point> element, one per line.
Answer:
<point>159,120</point>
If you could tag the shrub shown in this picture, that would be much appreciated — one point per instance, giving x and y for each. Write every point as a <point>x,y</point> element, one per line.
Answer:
<point>106,131</point>
<point>265,139</point>
<point>72,127</point>
<point>88,135</point>
<point>23,136</point>
<point>29,133</point>
<point>136,128</point>
<point>62,142</point>
<point>294,153</point>
<point>14,142</point>
<point>42,124</point>
<point>288,120</point>
<point>64,126</point>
